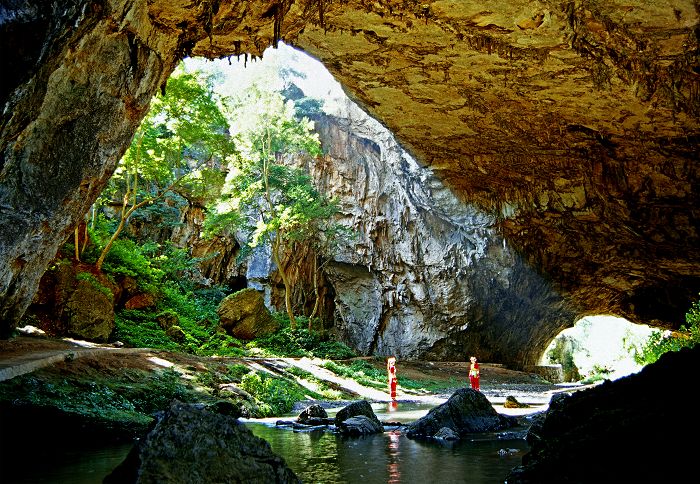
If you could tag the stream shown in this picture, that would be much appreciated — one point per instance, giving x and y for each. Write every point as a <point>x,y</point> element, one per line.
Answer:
<point>316,457</point>
<point>327,458</point>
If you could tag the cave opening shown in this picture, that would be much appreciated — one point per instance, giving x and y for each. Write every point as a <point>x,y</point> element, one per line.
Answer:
<point>598,347</point>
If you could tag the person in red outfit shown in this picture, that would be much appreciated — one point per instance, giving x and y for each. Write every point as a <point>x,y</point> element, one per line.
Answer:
<point>474,373</point>
<point>391,370</point>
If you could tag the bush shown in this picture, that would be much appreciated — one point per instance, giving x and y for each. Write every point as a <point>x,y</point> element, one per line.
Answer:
<point>299,343</point>
<point>661,342</point>
<point>274,396</point>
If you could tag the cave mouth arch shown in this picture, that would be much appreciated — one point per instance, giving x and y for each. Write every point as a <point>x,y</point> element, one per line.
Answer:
<point>597,345</point>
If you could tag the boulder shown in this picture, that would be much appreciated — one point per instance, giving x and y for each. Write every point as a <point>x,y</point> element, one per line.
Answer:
<point>244,315</point>
<point>176,333</point>
<point>312,415</point>
<point>466,411</point>
<point>140,301</point>
<point>192,444</point>
<point>167,319</point>
<point>361,407</point>
<point>89,312</point>
<point>359,425</point>
<point>446,433</point>
<point>627,430</point>
<point>512,402</point>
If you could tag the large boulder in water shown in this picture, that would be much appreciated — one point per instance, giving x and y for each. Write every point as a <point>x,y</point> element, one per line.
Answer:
<point>244,315</point>
<point>360,425</point>
<point>192,444</point>
<point>466,411</point>
<point>355,409</point>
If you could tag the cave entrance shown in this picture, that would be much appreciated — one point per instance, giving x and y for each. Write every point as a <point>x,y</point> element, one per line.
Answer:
<point>597,347</point>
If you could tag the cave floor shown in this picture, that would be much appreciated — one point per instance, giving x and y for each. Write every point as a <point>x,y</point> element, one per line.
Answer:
<point>25,354</point>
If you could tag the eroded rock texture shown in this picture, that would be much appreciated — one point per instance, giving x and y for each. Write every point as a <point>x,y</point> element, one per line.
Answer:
<point>427,276</point>
<point>574,124</point>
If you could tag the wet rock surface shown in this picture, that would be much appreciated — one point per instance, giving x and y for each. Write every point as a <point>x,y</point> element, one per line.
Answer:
<point>191,444</point>
<point>466,411</point>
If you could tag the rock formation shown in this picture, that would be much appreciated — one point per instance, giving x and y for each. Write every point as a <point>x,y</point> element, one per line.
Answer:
<point>192,444</point>
<point>427,275</point>
<point>244,315</point>
<point>574,125</point>
<point>466,411</point>
<point>629,430</point>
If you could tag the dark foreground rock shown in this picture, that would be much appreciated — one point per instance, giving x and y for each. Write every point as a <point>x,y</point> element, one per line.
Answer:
<point>634,429</point>
<point>466,411</point>
<point>191,444</point>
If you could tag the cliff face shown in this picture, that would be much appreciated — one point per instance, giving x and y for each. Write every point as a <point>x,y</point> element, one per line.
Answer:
<point>573,124</point>
<point>427,275</point>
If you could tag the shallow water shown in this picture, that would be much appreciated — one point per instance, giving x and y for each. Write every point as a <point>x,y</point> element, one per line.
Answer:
<point>316,457</point>
<point>391,457</point>
<point>63,464</point>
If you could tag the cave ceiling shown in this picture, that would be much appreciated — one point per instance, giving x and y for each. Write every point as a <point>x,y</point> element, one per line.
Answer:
<point>575,121</point>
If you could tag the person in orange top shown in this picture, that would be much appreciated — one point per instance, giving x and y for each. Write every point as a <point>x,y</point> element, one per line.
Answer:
<point>474,373</point>
<point>391,370</point>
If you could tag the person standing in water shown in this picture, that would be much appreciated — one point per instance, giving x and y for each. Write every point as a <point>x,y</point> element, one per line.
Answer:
<point>474,373</point>
<point>391,370</point>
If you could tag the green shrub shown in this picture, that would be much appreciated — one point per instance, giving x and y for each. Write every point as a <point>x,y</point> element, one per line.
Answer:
<point>299,343</point>
<point>126,258</point>
<point>274,396</point>
<point>661,342</point>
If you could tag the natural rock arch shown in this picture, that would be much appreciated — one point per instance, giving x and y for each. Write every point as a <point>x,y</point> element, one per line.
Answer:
<point>576,122</point>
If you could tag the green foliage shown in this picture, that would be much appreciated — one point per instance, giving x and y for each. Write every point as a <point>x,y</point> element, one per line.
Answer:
<point>275,396</point>
<point>86,276</point>
<point>299,343</point>
<point>237,371</point>
<point>126,401</point>
<point>221,344</point>
<point>127,258</point>
<point>598,373</point>
<point>661,342</point>
<point>139,329</point>
<point>183,132</point>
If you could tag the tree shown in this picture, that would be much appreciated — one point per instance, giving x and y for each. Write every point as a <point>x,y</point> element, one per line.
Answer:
<point>180,145</point>
<point>273,202</point>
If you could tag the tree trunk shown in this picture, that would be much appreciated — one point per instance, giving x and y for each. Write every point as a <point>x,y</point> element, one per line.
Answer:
<point>285,280</point>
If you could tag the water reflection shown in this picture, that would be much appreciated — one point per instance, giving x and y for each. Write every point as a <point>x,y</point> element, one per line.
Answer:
<point>394,471</point>
<point>324,457</point>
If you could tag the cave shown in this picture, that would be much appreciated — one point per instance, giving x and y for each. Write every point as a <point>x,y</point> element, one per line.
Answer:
<point>574,124</point>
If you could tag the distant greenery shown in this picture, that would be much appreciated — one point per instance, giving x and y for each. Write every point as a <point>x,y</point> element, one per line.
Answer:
<point>299,343</point>
<point>661,342</point>
<point>562,353</point>
<point>275,396</point>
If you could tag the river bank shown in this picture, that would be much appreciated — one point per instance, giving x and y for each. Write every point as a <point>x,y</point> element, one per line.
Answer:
<point>73,393</point>
<point>66,359</point>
